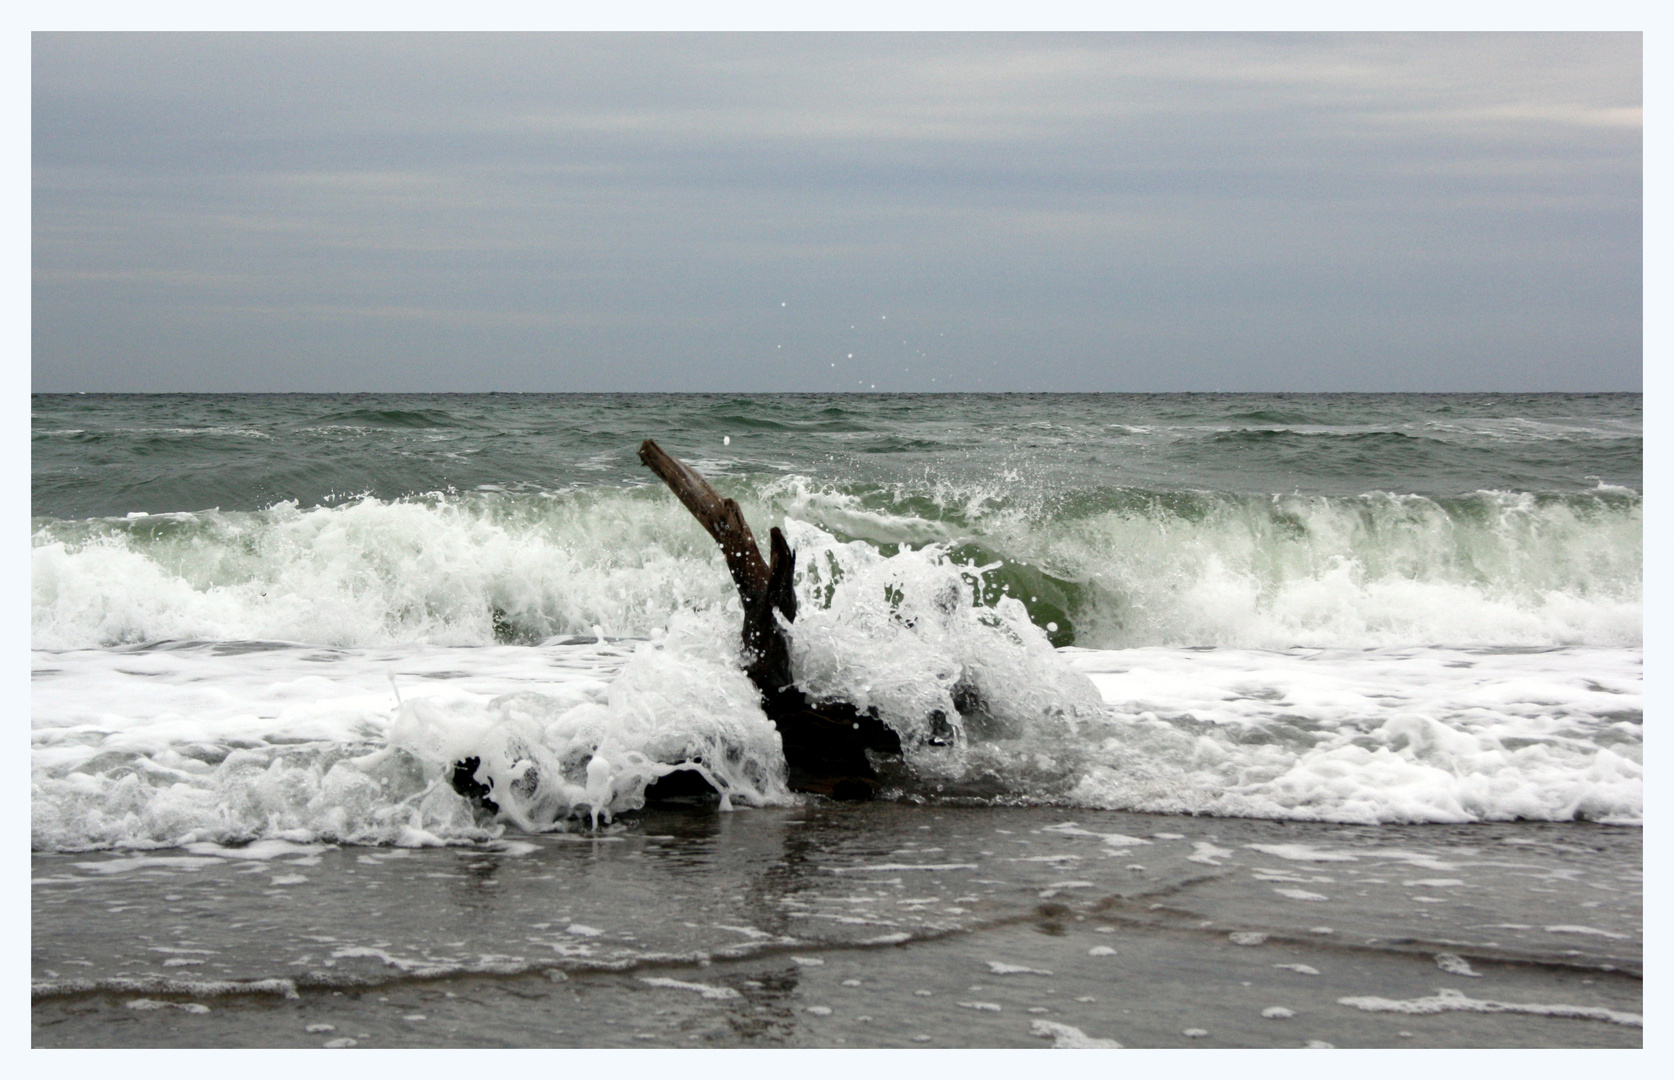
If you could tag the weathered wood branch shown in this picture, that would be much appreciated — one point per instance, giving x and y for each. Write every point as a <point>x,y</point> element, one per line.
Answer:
<point>763,587</point>
<point>825,745</point>
<point>720,517</point>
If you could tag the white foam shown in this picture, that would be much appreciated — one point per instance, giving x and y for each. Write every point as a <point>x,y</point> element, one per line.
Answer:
<point>1454,964</point>
<point>1592,930</point>
<point>886,939</point>
<point>181,746</point>
<point>901,866</point>
<point>680,702</point>
<point>184,744</point>
<point>1413,734</point>
<point>714,993</point>
<point>151,1005</point>
<point>430,570</point>
<point>1207,853</point>
<point>1302,894</point>
<point>1455,1001</point>
<point>1302,853</point>
<point>1065,1037</point>
<point>904,635</point>
<point>163,984</point>
<point>1117,840</point>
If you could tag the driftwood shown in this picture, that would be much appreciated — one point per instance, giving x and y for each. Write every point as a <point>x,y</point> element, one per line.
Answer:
<point>825,745</point>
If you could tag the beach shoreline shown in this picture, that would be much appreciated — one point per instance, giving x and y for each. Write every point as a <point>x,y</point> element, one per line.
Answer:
<point>876,925</point>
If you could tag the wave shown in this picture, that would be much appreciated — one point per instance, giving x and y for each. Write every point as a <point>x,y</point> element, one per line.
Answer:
<point>1107,569</point>
<point>1492,568</point>
<point>161,747</point>
<point>395,418</point>
<point>902,635</point>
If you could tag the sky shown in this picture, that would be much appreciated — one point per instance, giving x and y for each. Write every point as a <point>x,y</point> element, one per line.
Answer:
<point>836,212</point>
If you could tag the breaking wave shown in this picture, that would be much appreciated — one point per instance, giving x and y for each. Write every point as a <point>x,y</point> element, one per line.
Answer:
<point>302,744</point>
<point>1111,569</point>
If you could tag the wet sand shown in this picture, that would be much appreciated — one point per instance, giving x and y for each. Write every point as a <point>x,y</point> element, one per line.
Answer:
<point>862,926</point>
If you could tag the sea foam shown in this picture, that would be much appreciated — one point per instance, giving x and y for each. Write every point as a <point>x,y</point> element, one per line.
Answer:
<point>179,743</point>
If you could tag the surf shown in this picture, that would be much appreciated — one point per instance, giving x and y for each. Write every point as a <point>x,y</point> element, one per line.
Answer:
<point>1113,569</point>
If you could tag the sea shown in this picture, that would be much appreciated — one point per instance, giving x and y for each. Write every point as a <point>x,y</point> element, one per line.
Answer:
<point>1268,711</point>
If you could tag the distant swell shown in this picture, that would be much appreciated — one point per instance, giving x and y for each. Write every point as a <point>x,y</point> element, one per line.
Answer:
<point>396,418</point>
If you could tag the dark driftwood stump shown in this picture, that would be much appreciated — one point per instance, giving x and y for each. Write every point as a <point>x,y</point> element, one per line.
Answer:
<point>825,745</point>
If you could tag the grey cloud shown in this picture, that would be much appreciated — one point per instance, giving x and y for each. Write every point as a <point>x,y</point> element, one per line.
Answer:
<point>580,212</point>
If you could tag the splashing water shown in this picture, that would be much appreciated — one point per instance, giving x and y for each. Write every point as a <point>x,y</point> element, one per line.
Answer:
<point>1175,604</point>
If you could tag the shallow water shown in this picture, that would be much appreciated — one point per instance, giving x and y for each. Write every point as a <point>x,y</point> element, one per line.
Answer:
<point>870,925</point>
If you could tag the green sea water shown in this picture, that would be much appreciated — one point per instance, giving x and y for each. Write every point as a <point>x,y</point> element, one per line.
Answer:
<point>1193,519</point>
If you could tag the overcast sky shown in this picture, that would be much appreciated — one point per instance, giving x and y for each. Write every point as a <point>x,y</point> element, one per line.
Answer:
<point>761,212</point>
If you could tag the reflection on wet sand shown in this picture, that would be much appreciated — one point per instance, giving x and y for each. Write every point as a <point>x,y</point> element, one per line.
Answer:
<point>875,925</point>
